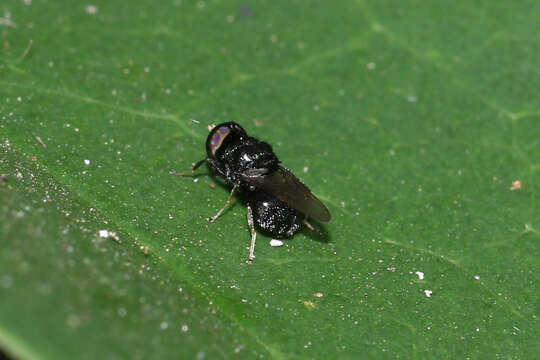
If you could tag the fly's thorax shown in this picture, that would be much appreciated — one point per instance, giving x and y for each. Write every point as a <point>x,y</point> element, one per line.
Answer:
<point>252,155</point>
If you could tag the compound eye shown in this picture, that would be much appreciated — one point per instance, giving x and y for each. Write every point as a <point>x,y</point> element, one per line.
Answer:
<point>216,138</point>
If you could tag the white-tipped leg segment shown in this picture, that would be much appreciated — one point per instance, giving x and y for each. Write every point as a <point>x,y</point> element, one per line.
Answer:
<point>191,171</point>
<point>309,226</point>
<point>229,200</point>
<point>251,225</point>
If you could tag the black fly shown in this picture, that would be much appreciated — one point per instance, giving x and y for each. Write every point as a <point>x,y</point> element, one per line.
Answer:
<point>277,202</point>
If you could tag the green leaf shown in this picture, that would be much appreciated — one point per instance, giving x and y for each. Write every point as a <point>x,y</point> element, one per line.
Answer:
<point>410,120</point>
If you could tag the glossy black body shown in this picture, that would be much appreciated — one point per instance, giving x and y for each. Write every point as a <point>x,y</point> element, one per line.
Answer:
<point>272,215</point>
<point>275,196</point>
<point>237,154</point>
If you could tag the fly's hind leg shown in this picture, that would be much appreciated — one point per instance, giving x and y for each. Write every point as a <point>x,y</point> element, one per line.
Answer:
<point>309,226</point>
<point>251,225</point>
<point>229,200</point>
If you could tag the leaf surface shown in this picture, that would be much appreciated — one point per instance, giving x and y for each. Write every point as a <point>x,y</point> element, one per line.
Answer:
<point>415,123</point>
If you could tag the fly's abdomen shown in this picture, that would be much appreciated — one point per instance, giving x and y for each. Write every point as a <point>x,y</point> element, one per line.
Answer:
<point>273,215</point>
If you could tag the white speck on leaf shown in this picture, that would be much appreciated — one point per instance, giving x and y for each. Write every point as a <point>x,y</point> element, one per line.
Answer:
<point>6,20</point>
<point>428,292</point>
<point>91,9</point>
<point>420,275</point>
<point>516,185</point>
<point>276,242</point>
<point>106,234</point>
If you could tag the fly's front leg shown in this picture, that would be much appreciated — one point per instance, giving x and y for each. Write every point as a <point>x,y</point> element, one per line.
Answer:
<point>195,167</point>
<point>229,200</point>
<point>251,225</point>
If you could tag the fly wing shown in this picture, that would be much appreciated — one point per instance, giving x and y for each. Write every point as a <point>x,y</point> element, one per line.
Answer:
<point>289,189</point>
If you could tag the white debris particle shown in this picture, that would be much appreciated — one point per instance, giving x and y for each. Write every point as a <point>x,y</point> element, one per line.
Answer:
<point>6,20</point>
<point>106,234</point>
<point>428,292</point>
<point>73,321</point>
<point>6,281</point>
<point>306,169</point>
<point>477,277</point>
<point>318,294</point>
<point>412,98</point>
<point>420,275</point>
<point>516,185</point>
<point>185,328</point>
<point>86,162</point>
<point>371,66</point>
<point>91,9</point>
<point>164,325</point>
<point>276,242</point>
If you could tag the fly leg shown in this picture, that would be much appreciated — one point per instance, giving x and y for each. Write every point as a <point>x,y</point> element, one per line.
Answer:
<point>195,167</point>
<point>253,235</point>
<point>229,200</point>
<point>309,226</point>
